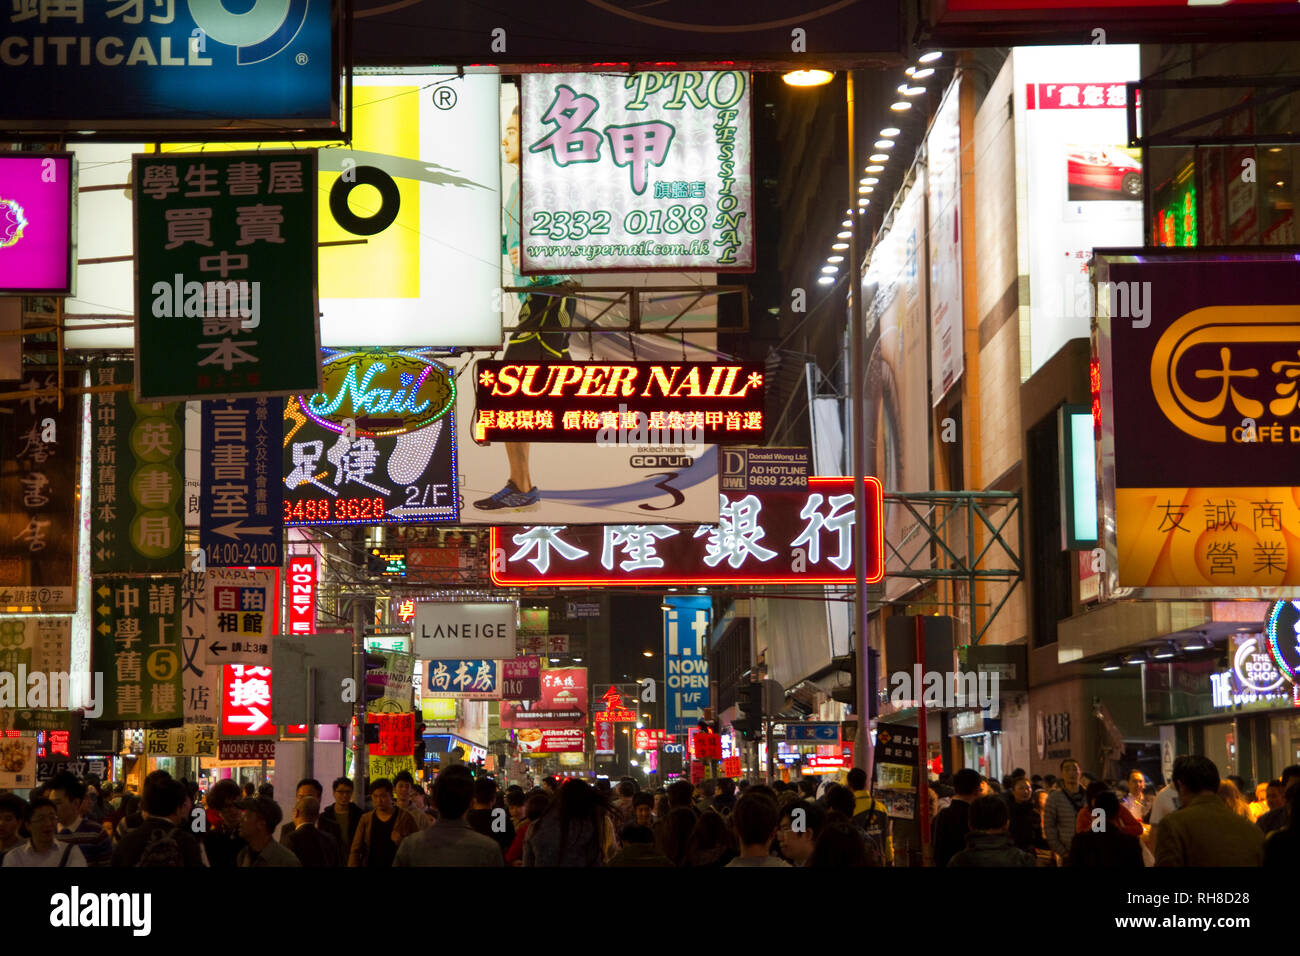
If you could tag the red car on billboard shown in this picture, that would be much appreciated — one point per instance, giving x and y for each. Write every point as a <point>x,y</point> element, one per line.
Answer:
<point>1105,168</point>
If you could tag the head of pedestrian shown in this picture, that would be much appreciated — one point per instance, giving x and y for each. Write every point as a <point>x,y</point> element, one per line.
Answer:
<point>857,780</point>
<point>42,823</point>
<point>453,792</point>
<point>163,798</point>
<point>643,805</point>
<point>840,799</point>
<point>1290,777</point>
<point>307,787</point>
<point>967,783</point>
<point>306,811</point>
<point>1071,773</point>
<point>381,794</point>
<point>989,815</point>
<point>1137,783</point>
<point>1105,801</point>
<point>626,788</point>
<point>680,793</point>
<point>755,822</point>
<point>12,811</point>
<point>551,784</point>
<point>485,794</point>
<point>1275,795</point>
<point>515,800</point>
<point>1021,790</point>
<point>1196,775</point>
<point>223,804</point>
<point>68,795</point>
<point>261,817</point>
<point>342,792</point>
<point>403,784</point>
<point>801,823</point>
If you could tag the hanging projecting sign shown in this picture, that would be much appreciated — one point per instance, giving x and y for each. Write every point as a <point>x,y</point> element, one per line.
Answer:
<point>766,538</point>
<point>462,677</point>
<point>138,483</point>
<point>225,253</point>
<point>376,446</point>
<point>241,520</point>
<point>464,630</point>
<point>200,681</point>
<point>1198,366</point>
<point>648,171</point>
<point>173,65</point>
<point>643,403</point>
<point>242,615</point>
<point>36,191</point>
<point>563,702</point>
<point>39,445</point>
<point>137,647</point>
<point>246,701</point>
<point>1283,644</point>
<point>686,661</point>
<point>301,584</point>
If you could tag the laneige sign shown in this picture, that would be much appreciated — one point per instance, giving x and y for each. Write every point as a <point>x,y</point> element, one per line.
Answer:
<point>470,631</point>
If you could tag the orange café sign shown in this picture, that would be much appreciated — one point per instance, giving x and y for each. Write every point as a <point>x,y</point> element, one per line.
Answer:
<point>1201,397</point>
<point>620,403</point>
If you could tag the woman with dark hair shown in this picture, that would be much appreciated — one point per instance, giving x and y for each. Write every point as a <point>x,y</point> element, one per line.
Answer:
<point>840,844</point>
<point>679,828</point>
<point>1026,819</point>
<point>571,831</point>
<point>1108,846</point>
<point>711,843</point>
<point>535,805</point>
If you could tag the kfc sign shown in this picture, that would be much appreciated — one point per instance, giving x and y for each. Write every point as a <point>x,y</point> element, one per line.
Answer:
<point>302,595</point>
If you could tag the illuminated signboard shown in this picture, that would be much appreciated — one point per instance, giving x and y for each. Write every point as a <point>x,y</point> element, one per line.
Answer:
<point>1175,202</point>
<point>635,402</point>
<point>246,701</point>
<point>1198,366</point>
<point>36,223</point>
<point>376,446</point>
<point>644,738</point>
<point>1283,641</point>
<point>648,171</point>
<point>770,537</point>
<point>463,677</point>
<point>611,708</point>
<point>173,65</point>
<point>302,594</point>
<point>563,702</point>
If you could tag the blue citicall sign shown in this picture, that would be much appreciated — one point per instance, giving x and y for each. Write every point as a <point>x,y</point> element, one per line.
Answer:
<point>170,64</point>
<point>686,661</point>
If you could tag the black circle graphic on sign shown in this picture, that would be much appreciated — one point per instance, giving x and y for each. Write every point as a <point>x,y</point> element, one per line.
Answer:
<point>390,200</point>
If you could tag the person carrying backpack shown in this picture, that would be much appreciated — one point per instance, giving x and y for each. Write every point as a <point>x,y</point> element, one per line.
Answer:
<point>161,840</point>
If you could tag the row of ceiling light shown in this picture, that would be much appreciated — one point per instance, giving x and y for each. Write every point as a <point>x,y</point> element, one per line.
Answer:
<point>1167,651</point>
<point>915,75</point>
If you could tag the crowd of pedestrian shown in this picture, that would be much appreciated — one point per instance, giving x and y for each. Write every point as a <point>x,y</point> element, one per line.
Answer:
<point>1198,819</point>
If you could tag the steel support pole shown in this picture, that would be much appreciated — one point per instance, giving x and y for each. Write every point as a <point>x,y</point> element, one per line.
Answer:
<point>359,705</point>
<point>862,750</point>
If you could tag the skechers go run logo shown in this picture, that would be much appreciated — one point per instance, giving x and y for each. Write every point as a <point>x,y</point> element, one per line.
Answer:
<point>258,35</point>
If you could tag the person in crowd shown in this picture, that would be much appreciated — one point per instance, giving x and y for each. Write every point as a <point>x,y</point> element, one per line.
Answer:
<point>754,822</point>
<point>801,824</point>
<point>41,849</point>
<point>13,810</point>
<point>840,844</point>
<point>1063,806</point>
<point>451,840</point>
<point>1138,801</point>
<point>381,830</point>
<point>535,804</point>
<point>515,798</point>
<point>871,817</point>
<point>1024,818</point>
<point>1259,806</point>
<point>343,813</point>
<point>989,843</point>
<point>711,843</point>
<point>1106,843</point>
<point>257,826</point>
<point>643,809</point>
<point>704,794</point>
<point>1275,806</point>
<point>952,823</point>
<point>1126,821</point>
<point>163,838</point>
<point>312,788</point>
<point>725,801</point>
<point>137,816</point>
<point>69,798</point>
<point>1203,831</point>
<point>1282,846</point>
<point>487,818</point>
<point>250,789</point>
<point>403,796</point>
<point>572,830</point>
<point>221,839</point>
<point>840,805</point>
<point>1279,818</point>
<point>312,846</point>
<point>1233,800</point>
<point>673,833</point>
<point>622,805</point>
<point>266,791</point>
<point>638,848</point>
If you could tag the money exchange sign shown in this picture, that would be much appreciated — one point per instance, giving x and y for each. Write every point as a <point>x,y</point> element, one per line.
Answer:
<point>137,646</point>
<point>38,444</point>
<point>647,171</point>
<point>138,483</point>
<point>240,523</point>
<point>225,274</point>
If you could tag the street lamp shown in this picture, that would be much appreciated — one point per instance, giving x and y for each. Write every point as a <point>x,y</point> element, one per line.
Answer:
<point>858,364</point>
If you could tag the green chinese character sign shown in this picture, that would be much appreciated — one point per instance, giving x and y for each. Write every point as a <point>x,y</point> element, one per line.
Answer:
<point>136,643</point>
<point>226,274</point>
<point>137,478</point>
